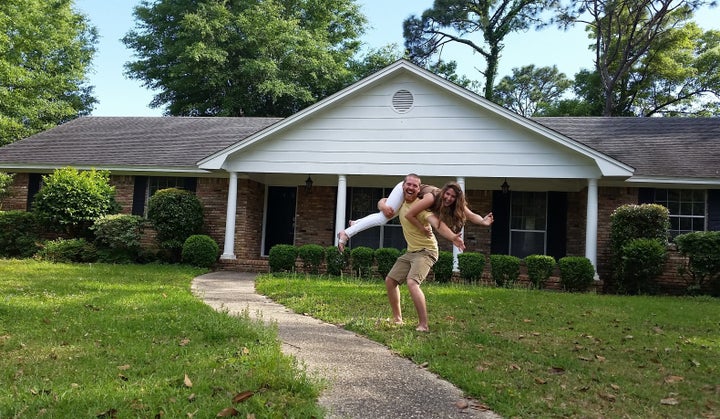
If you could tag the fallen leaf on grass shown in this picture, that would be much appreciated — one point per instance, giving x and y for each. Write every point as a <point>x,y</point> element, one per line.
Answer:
<point>462,404</point>
<point>514,367</point>
<point>110,413</point>
<point>672,379</point>
<point>658,330</point>
<point>557,370</point>
<point>615,387</point>
<point>187,381</point>
<point>600,358</point>
<point>539,380</point>
<point>241,397</point>
<point>123,367</point>
<point>184,341</point>
<point>607,396</point>
<point>227,412</point>
<point>670,401</point>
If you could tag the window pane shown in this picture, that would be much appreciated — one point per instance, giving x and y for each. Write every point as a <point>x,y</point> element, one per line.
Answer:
<point>527,243</point>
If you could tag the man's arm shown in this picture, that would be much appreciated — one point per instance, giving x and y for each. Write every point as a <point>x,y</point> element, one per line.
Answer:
<point>386,209</point>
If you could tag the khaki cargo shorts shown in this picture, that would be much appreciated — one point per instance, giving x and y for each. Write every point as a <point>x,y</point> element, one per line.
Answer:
<point>413,265</point>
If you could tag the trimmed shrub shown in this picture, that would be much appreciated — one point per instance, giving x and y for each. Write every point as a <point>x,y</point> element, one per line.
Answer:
<point>643,261</point>
<point>702,250</point>
<point>629,222</point>
<point>117,237</point>
<point>576,273</point>
<point>70,200</point>
<point>6,180</point>
<point>200,250</point>
<point>335,260</point>
<point>312,256</point>
<point>68,250</point>
<point>505,269</point>
<point>282,258</point>
<point>176,214</point>
<point>362,261</point>
<point>539,269</point>
<point>471,266</point>
<point>19,234</point>
<point>443,268</point>
<point>385,258</point>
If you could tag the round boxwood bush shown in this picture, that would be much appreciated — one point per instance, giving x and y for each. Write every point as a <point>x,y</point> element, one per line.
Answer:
<point>539,269</point>
<point>471,266</point>
<point>312,256</point>
<point>362,261</point>
<point>576,273</point>
<point>19,234</point>
<point>200,250</point>
<point>176,215</point>
<point>68,250</point>
<point>282,258</point>
<point>443,268</point>
<point>385,258</point>
<point>335,260</point>
<point>505,269</point>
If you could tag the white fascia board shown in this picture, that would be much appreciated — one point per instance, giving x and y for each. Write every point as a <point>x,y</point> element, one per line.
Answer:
<point>674,180</point>
<point>112,169</point>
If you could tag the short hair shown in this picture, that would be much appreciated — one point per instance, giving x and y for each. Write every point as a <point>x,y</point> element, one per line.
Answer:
<point>412,175</point>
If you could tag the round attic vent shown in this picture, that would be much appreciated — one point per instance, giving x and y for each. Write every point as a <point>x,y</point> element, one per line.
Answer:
<point>402,101</point>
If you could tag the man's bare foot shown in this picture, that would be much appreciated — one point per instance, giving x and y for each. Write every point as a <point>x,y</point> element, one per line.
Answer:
<point>342,240</point>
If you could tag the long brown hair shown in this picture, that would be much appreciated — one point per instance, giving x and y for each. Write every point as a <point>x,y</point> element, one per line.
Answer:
<point>454,215</point>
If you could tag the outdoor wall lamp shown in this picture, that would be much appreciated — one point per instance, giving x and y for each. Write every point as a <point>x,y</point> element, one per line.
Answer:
<point>308,184</point>
<point>505,187</point>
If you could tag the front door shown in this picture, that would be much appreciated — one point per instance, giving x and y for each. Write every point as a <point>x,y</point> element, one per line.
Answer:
<point>280,217</point>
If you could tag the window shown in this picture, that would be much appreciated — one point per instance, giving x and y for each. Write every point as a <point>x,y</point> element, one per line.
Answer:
<point>528,223</point>
<point>362,202</point>
<point>146,186</point>
<point>687,209</point>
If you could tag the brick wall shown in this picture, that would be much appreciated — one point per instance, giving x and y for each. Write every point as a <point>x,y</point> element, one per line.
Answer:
<point>315,220</point>
<point>124,187</point>
<point>17,198</point>
<point>477,238</point>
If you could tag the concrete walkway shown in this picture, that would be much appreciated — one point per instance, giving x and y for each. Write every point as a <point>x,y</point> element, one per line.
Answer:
<point>366,380</point>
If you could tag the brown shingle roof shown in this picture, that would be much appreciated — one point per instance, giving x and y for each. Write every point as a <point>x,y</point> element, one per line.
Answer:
<point>166,142</point>
<point>655,147</point>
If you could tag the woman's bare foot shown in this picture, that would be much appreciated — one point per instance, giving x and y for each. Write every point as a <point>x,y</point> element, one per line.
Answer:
<point>352,222</point>
<point>422,329</point>
<point>342,240</point>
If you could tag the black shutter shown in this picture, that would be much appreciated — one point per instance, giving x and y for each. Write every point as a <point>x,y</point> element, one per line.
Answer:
<point>713,205</point>
<point>646,196</point>
<point>557,224</point>
<point>34,180</point>
<point>500,229</point>
<point>190,184</point>
<point>139,191</point>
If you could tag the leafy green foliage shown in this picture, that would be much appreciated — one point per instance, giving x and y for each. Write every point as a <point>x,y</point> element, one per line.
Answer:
<point>702,250</point>
<point>576,273</point>
<point>629,222</point>
<point>282,258</point>
<point>19,234</point>
<point>443,268</point>
<point>312,257</point>
<point>267,58</point>
<point>200,250</point>
<point>505,269</point>
<point>457,22</point>
<point>539,269</point>
<point>361,261</point>
<point>643,260</point>
<point>385,258</point>
<point>70,200</point>
<point>176,215</point>
<point>117,237</point>
<point>6,180</point>
<point>68,250</point>
<point>530,91</point>
<point>471,266</point>
<point>335,260</point>
<point>46,49</point>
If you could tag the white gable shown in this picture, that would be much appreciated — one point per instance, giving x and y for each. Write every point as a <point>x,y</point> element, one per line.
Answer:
<point>405,120</point>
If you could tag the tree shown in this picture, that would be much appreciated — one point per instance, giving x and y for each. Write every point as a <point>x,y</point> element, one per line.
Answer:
<point>70,200</point>
<point>529,91</point>
<point>46,50</point>
<point>6,180</point>
<point>243,58</point>
<point>624,32</point>
<point>456,21</point>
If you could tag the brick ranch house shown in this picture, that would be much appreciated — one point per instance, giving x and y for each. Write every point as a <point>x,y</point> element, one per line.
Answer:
<point>298,180</point>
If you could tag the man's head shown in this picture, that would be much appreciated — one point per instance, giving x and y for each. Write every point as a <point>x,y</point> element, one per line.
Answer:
<point>411,187</point>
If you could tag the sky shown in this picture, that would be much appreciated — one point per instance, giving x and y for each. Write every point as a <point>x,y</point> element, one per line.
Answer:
<point>121,96</point>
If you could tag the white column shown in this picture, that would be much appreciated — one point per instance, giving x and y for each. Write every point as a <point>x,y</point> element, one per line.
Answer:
<point>229,249</point>
<point>340,206</point>
<point>591,224</point>
<point>456,251</point>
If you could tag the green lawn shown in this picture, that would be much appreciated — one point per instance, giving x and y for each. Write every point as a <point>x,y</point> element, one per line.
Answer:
<point>85,341</point>
<point>540,353</point>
